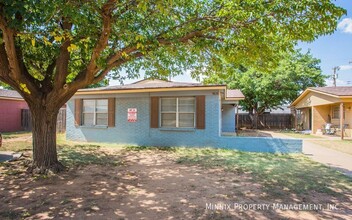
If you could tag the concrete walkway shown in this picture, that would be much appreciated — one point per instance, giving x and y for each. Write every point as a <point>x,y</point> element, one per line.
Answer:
<point>332,158</point>
<point>9,155</point>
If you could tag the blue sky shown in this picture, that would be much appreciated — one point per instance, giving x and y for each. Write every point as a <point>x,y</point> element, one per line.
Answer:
<point>333,50</point>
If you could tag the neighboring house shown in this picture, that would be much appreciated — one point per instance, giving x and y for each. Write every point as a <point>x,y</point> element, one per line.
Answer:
<point>162,113</point>
<point>11,104</point>
<point>317,107</point>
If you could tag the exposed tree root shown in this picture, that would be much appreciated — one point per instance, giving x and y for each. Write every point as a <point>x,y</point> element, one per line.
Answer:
<point>56,167</point>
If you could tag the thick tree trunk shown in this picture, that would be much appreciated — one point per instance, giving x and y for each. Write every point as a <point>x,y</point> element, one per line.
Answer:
<point>253,115</point>
<point>44,140</point>
<point>255,120</point>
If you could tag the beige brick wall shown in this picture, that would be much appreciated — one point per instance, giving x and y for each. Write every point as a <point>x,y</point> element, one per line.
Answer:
<point>320,117</point>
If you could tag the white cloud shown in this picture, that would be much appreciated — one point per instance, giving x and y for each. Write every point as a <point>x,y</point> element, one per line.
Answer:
<point>346,67</point>
<point>345,25</point>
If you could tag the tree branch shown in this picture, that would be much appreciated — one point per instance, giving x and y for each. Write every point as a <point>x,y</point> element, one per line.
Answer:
<point>62,60</point>
<point>106,13</point>
<point>4,63</point>
<point>119,62</point>
<point>18,73</point>
<point>8,36</point>
<point>5,74</point>
<point>87,75</point>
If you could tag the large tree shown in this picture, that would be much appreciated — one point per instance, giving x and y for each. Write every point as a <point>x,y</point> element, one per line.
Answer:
<point>50,49</point>
<point>273,88</point>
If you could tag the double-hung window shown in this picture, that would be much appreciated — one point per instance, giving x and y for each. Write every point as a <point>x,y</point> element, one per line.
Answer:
<point>178,112</point>
<point>95,112</point>
<point>336,112</point>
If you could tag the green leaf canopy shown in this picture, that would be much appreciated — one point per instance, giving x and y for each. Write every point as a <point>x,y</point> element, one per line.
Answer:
<point>272,89</point>
<point>76,43</point>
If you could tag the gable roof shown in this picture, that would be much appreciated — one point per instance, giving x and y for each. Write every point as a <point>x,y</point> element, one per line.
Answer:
<point>149,84</point>
<point>157,85</point>
<point>336,92</point>
<point>9,94</point>
<point>234,93</point>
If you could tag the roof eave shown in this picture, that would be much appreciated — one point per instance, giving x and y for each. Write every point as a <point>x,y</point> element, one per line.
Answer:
<point>141,90</point>
<point>11,98</point>
<point>300,97</point>
<point>324,93</point>
<point>303,94</point>
<point>234,99</point>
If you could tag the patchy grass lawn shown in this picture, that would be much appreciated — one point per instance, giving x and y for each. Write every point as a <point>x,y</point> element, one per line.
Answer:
<point>12,135</point>
<point>339,145</point>
<point>298,135</point>
<point>106,181</point>
<point>280,174</point>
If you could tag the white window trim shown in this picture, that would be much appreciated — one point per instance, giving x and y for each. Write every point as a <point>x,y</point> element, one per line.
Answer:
<point>95,112</point>
<point>177,112</point>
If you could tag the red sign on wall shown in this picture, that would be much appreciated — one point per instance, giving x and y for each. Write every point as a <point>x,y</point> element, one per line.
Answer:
<point>131,114</point>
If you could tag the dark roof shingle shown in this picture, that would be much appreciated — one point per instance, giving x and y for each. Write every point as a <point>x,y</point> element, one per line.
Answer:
<point>163,84</point>
<point>234,93</point>
<point>337,91</point>
<point>9,94</point>
<point>148,84</point>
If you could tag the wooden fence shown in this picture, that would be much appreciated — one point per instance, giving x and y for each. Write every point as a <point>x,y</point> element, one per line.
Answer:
<point>267,121</point>
<point>26,121</point>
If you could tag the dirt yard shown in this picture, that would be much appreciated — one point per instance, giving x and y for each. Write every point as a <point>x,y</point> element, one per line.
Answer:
<point>152,184</point>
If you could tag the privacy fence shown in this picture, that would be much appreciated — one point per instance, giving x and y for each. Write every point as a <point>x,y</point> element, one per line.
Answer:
<point>267,121</point>
<point>26,122</point>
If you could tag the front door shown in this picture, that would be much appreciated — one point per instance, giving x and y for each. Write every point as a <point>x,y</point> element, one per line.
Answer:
<point>228,118</point>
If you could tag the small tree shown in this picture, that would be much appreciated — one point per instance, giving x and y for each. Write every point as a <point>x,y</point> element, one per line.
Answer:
<point>50,49</point>
<point>270,90</point>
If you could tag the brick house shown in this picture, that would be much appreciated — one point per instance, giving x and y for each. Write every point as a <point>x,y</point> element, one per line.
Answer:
<point>319,106</point>
<point>163,113</point>
<point>11,104</point>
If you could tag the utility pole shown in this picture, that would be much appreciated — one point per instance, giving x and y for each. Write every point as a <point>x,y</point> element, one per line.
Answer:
<point>334,76</point>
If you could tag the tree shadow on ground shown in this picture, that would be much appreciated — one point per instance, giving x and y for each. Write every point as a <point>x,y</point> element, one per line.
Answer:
<point>85,154</point>
<point>165,183</point>
<point>293,172</point>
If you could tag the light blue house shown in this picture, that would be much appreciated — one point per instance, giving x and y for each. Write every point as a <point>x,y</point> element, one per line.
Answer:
<point>164,113</point>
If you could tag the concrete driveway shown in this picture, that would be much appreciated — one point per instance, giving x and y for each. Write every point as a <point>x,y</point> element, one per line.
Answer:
<point>332,158</point>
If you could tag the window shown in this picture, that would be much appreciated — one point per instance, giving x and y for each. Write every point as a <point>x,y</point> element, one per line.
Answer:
<point>95,112</point>
<point>178,112</point>
<point>336,112</point>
